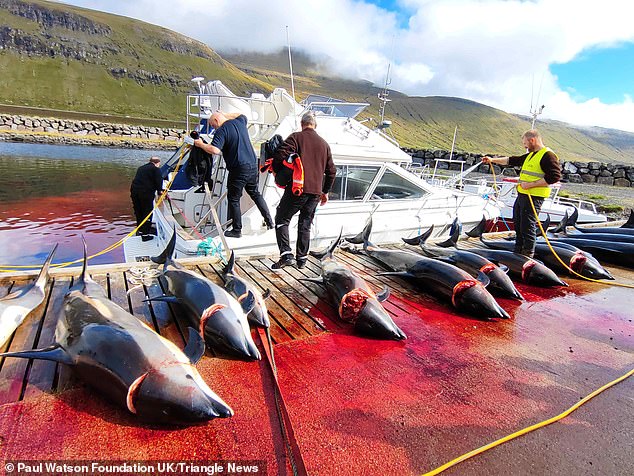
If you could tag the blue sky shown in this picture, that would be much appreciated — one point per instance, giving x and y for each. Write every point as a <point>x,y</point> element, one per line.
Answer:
<point>579,54</point>
<point>604,73</point>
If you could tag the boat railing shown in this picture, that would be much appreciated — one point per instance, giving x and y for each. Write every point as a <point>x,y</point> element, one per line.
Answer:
<point>202,106</point>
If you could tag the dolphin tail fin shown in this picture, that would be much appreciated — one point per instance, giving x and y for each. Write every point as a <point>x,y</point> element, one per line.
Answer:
<point>420,239</point>
<point>452,240</point>
<point>166,256</point>
<point>195,348</point>
<point>42,278</point>
<point>55,353</point>
<point>478,229</point>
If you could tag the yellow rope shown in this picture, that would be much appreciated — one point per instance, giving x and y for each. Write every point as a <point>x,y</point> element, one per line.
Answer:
<point>7,268</point>
<point>608,283</point>
<point>484,448</point>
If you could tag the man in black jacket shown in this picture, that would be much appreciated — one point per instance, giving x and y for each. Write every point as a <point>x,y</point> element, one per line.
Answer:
<point>231,139</point>
<point>319,175</point>
<point>145,184</point>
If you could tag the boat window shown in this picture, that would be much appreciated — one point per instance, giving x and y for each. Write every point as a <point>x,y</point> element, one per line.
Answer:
<point>352,182</point>
<point>333,107</point>
<point>393,186</point>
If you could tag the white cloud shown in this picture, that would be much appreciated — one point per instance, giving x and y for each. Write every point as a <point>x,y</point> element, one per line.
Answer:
<point>491,51</point>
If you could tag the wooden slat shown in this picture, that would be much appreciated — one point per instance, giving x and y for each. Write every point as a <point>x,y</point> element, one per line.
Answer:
<point>42,375</point>
<point>297,300</point>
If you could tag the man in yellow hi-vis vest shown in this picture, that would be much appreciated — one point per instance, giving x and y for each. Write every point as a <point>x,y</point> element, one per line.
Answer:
<point>540,169</point>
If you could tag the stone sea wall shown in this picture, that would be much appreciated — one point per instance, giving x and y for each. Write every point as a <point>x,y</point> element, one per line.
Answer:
<point>66,131</point>
<point>575,172</point>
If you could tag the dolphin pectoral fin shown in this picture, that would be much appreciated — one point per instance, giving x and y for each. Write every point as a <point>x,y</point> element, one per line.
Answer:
<point>195,347</point>
<point>400,274</point>
<point>446,259</point>
<point>55,353</point>
<point>318,280</point>
<point>247,302</point>
<point>503,267</point>
<point>172,299</point>
<point>266,294</point>
<point>483,278</point>
<point>383,295</point>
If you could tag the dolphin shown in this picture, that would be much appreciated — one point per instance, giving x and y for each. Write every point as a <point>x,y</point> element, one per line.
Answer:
<point>521,267</point>
<point>472,263</point>
<point>436,277</point>
<point>575,259</point>
<point>239,288</point>
<point>625,229</point>
<point>220,318</point>
<point>127,361</point>
<point>15,307</point>
<point>355,301</point>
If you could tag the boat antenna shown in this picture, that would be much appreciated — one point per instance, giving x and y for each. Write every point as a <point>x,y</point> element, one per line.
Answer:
<point>537,110</point>
<point>383,95</point>
<point>290,63</point>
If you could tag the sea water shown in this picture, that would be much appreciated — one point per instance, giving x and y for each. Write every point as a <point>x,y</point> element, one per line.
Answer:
<point>57,194</point>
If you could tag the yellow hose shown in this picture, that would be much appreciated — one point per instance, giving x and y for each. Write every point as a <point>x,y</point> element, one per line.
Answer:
<point>7,268</point>
<point>484,448</point>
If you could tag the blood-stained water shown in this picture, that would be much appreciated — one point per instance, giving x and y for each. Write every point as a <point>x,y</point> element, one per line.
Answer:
<point>55,194</point>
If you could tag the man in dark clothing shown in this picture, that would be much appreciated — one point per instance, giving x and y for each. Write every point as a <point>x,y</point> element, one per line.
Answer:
<point>317,162</point>
<point>145,184</point>
<point>540,168</point>
<point>231,139</point>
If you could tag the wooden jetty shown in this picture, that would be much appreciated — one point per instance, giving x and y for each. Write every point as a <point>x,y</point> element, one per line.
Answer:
<point>356,405</point>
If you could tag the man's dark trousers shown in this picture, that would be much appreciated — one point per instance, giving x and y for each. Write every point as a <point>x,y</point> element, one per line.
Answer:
<point>244,178</point>
<point>143,204</point>
<point>289,205</point>
<point>525,223</point>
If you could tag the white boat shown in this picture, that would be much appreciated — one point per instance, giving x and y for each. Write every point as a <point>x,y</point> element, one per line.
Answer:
<point>554,207</point>
<point>371,181</point>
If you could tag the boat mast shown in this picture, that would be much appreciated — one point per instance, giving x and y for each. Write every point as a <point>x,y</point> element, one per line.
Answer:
<point>290,62</point>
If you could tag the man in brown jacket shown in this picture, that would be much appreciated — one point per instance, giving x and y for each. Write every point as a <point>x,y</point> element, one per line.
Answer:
<point>317,162</point>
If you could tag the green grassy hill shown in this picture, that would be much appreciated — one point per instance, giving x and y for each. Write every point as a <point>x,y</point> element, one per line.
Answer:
<point>68,58</point>
<point>63,57</point>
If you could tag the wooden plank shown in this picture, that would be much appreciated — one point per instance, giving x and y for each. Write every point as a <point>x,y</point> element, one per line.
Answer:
<point>43,373</point>
<point>311,313</point>
<point>279,316</point>
<point>12,370</point>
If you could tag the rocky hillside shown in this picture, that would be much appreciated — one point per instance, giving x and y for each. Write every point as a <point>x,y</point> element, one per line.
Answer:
<point>63,57</point>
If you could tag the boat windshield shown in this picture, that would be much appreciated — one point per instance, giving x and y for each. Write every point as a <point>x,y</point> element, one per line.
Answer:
<point>334,107</point>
